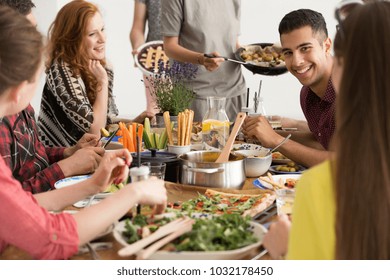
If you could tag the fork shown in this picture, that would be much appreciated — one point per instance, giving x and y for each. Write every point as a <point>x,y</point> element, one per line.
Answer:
<point>92,251</point>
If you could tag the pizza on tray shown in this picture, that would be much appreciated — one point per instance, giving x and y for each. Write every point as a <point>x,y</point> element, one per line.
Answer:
<point>217,202</point>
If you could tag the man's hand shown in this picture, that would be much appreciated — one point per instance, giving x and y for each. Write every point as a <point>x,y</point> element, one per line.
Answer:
<point>212,64</point>
<point>83,161</point>
<point>259,128</point>
<point>141,117</point>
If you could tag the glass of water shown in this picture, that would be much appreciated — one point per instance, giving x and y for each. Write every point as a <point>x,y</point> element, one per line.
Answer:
<point>157,169</point>
<point>285,201</point>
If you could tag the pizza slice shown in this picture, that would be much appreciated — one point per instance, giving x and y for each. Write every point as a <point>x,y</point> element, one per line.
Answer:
<point>218,203</point>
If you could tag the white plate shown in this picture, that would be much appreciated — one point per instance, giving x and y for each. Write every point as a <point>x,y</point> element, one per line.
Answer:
<point>276,178</point>
<point>70,181</point>
<point>257,229</point>
<point>76,179</point>
<point>84,202</point>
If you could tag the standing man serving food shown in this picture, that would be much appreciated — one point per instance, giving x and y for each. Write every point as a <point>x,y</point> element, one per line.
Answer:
<point>306,47</point>
<point>193,28</point>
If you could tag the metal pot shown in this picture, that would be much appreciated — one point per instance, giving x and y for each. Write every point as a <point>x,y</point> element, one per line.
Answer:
<point>199,168</point>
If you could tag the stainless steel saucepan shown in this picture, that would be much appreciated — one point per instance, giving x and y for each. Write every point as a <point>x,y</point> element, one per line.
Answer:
<point>199,168</point>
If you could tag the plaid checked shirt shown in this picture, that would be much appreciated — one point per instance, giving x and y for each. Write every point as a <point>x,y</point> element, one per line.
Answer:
<point>320,113</point>
<point>30,162</point>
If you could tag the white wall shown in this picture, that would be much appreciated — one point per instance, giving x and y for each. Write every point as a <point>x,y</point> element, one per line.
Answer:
<point>260,20</point>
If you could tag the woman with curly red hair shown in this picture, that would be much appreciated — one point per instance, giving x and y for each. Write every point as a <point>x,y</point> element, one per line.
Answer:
<point>77,96</point>
<point>78,93</point>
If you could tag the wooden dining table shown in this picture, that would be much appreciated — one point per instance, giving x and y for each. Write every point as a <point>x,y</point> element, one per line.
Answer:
<point>175,192</point>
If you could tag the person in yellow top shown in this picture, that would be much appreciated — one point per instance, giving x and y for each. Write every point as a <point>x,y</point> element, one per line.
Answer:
<point>314,216</point>
<point>342,206</point>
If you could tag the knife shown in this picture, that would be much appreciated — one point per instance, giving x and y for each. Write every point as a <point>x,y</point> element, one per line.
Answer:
<point>227,59</point>
<point>111,137</point>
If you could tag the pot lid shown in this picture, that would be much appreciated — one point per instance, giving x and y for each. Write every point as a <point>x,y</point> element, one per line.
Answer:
<point>153,155</point>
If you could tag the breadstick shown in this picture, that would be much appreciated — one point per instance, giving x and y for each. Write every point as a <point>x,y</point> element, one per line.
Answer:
<point>183,129</point>
<point>271,182</point>
<point>190,122</point>
<point>168,127</point>
<point>270,176</point>
<point>188,127</point>
<point>178,129</point>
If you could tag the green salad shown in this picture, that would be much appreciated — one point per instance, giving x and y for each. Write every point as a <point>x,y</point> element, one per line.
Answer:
<point>211,233</point>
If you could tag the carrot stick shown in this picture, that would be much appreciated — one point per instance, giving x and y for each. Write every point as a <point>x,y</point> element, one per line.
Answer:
<point>134,134</point>
<point>124,136</point>
<point>130,141</point>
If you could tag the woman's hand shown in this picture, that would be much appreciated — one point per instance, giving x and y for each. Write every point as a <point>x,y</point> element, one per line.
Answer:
<point>98,71</point>
<point>151,192</point>
<point>113,168</point>
<point>276,239</point>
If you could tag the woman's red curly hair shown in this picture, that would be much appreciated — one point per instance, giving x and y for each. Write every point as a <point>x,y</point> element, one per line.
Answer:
<point>66,42</point>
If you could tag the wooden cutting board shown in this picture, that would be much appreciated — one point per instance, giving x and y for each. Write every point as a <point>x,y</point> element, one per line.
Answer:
<point>181,192</point>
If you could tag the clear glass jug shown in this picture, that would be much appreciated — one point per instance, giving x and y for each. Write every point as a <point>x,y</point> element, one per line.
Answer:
<point>215,124</point>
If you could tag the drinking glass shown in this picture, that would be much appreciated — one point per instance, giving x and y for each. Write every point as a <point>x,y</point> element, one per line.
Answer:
<point>157,169</point>
<point>285,201</point>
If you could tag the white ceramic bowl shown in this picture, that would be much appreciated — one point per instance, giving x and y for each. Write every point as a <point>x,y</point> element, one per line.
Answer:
<point>247,146</point>
<point>179,150</point>
<point>256,163</point>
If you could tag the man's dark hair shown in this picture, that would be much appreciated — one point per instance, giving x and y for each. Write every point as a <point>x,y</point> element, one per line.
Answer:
<point>21,6</point>
<point>301,18</point>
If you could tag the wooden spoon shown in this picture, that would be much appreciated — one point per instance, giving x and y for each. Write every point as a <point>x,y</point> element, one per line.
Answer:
<point>224,156</point>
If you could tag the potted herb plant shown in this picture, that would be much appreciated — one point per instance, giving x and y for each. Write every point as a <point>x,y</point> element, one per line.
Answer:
<point>171,87</point>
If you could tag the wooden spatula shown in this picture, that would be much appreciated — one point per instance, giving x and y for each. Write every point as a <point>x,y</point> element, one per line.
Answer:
<point>224,156</point>
<point>158,234</point>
